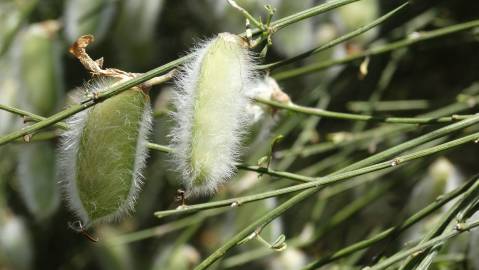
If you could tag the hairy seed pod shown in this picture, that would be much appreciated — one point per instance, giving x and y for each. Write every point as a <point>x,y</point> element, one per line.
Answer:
<point>88,17</point>
<point>137,20</point>
<point>104,153</point>
<point>39,70</point>
<point>8,96</point>
<point>210,112</point>
<point>11,17</point>
<point>36,176</point>
<point>39,76</point>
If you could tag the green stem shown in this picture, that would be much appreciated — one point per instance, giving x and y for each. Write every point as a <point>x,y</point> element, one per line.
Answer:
<point>411,40</point>
<point>384,131</point>
<point>305,14</point>
<point>318,182</point>
<point>161,230</point>
<point>307,193</point>
<point>31,115</point>
<point>426,211</point>
<point>109,92</point>
<point>336,41</point>
<point>359,117</point>
<point>465,202</point>
<point>118,88</point>
<point>390,105</point>
<point>465,227</point>
<point>246,14</point>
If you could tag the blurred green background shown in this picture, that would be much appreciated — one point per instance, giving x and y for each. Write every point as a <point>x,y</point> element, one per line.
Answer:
<point>37,74</point>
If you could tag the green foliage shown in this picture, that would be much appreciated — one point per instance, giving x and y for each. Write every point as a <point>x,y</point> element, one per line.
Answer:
<point>376,165</point>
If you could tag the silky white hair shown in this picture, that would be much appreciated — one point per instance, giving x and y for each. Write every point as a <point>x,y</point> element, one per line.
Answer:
<point>231,117</point>
<point>69,147</point>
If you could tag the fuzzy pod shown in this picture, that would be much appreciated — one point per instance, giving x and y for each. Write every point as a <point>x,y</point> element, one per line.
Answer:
<point>88,17</point>
<point>11,17</point>
<point>8,95</point>
<point>137,20</point>
<point>39,67</point>
<point>103,155</point>
<point>39,75</point>
<point>210,112</point>
<point>37,168</point>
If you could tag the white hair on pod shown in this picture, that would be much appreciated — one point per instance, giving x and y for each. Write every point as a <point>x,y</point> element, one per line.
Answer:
<point>70,146</point>
<point>210,114</point>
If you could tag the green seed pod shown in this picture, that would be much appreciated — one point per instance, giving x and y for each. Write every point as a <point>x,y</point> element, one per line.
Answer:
<point>36,164</point>
<point>88,17</point>
<point>103,155</point>
<point>211,112</point>
<point>137,20</point>
<point>40,82</point>
<point>11,13</point>
<point>39,69</point>
<point>8,96</point>
<point>16,249</point>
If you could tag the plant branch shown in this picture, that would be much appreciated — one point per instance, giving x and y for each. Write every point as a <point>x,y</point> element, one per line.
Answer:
<point>410,40</point>
<point>436,204</point>
<point>318,182</point>
<point>336,41</point>
<point>267,218</point>
<point>464,227</point>
<point>360,117</point>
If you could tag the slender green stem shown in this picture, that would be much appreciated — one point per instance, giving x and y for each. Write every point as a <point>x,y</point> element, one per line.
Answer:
<point>466,201</point>
<point>308,13</point>
<point>246,14</point>
<point>384,131</point>
<point>118,88</point>
<point>464,227</point>
<point>390,105</point>
<point>109,92</point>
<point>336,41</point>
<point>360,117</point>
<point>411,40</point>
<point>267,218</point>
<point>161,230</point>
<point>158,147</point>
<point>318,182</point>
<point>426,211</point>
<point>29,114</point>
